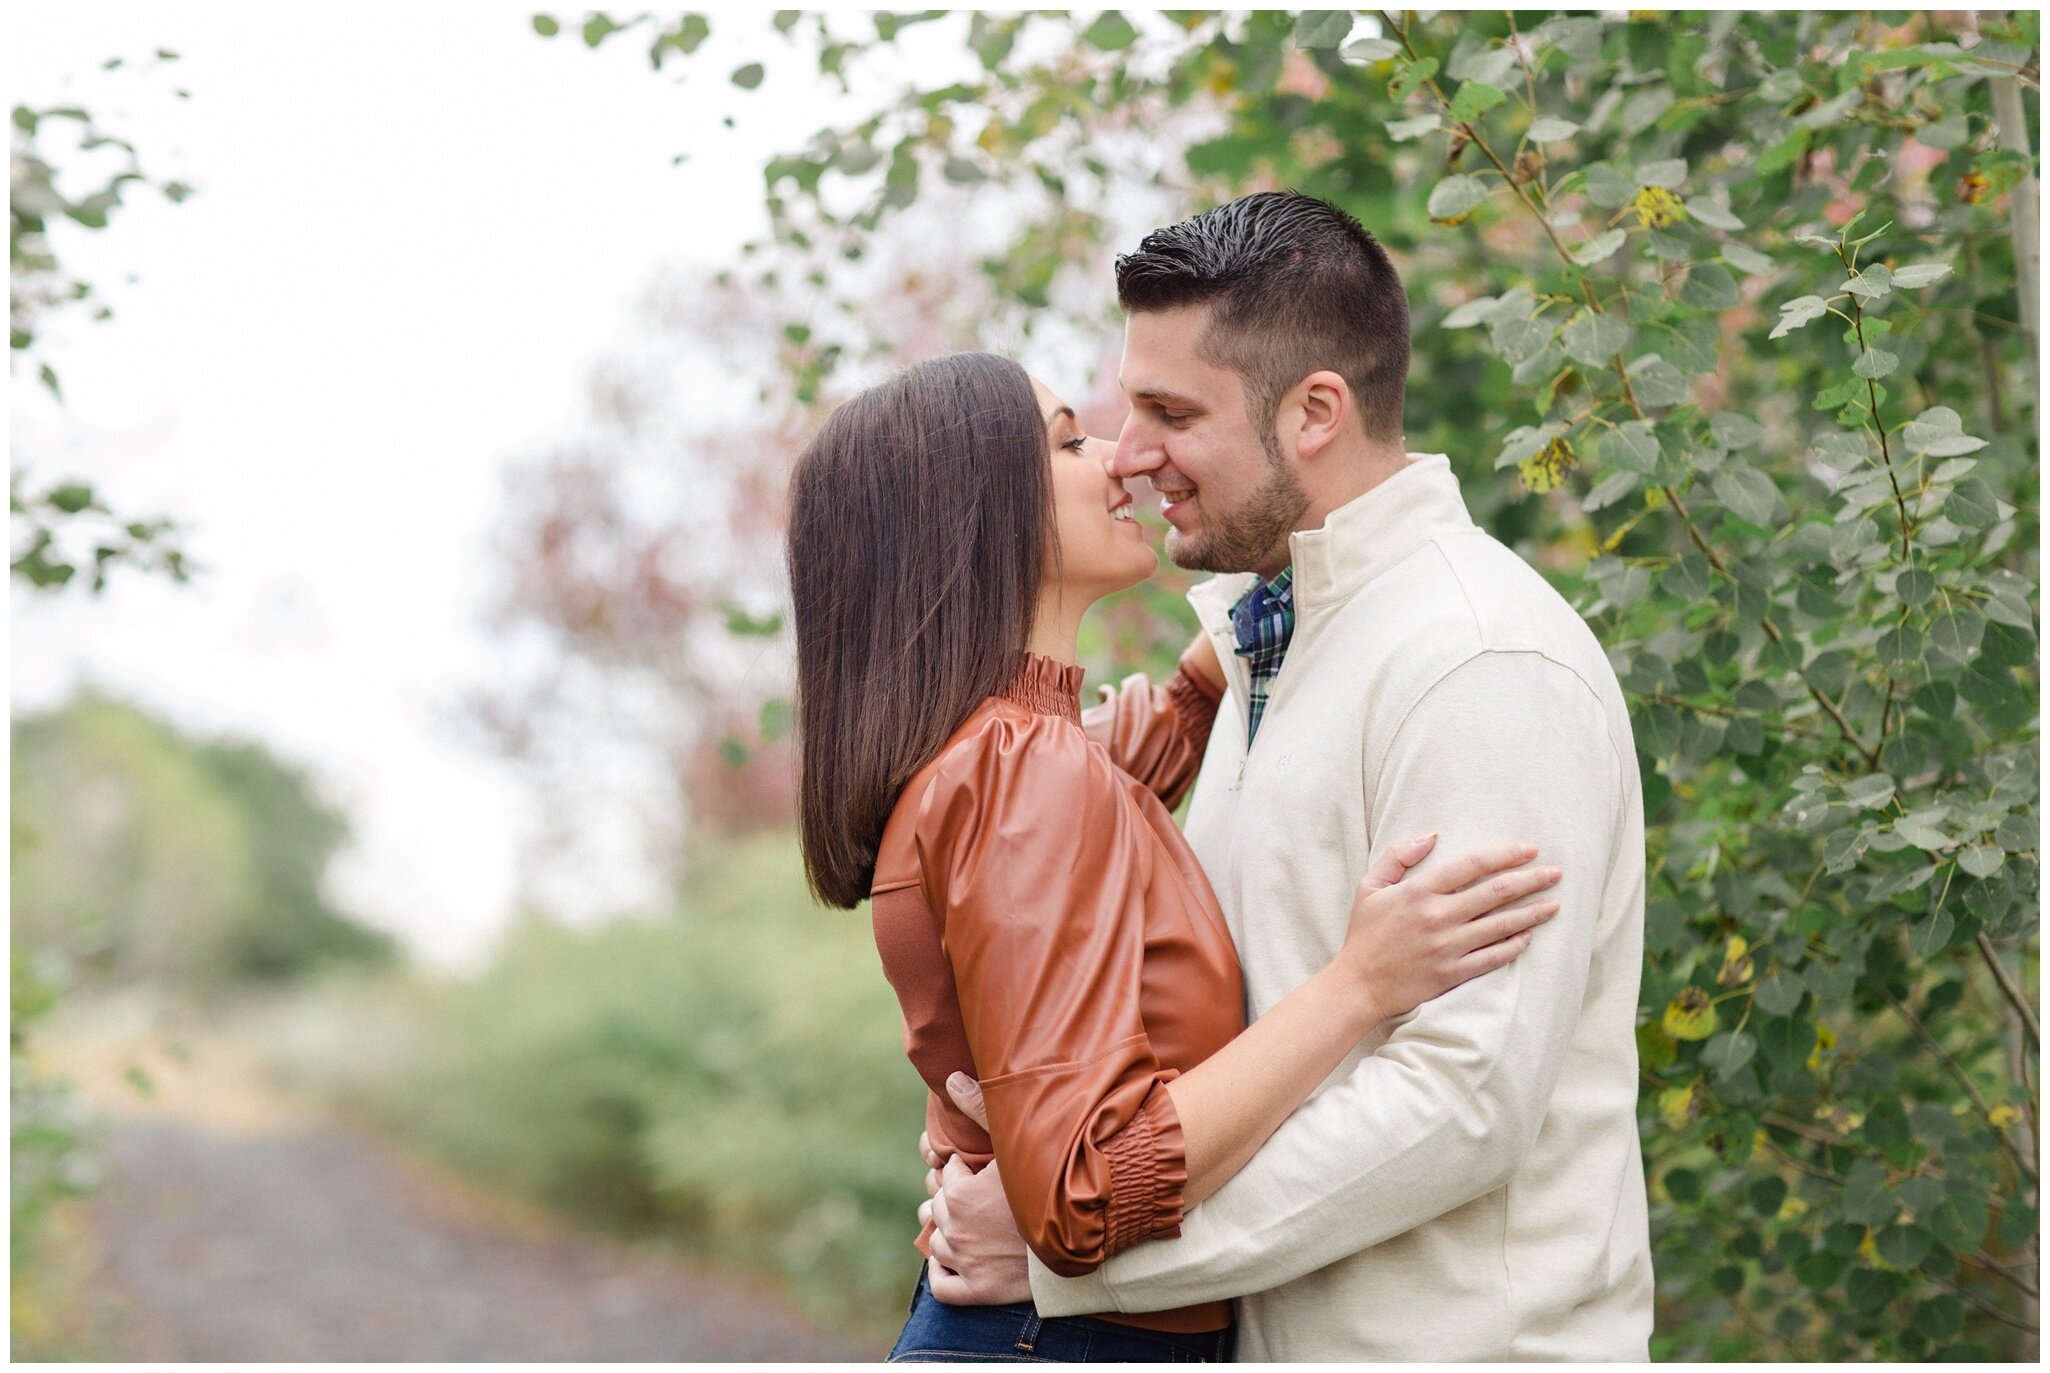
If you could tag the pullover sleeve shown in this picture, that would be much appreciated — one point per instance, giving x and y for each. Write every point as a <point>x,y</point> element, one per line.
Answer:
<point>1508,746</point>
<point>1037,867</point>
<point>1156,733</point>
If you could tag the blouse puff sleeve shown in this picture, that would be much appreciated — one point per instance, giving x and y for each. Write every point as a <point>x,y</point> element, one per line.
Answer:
<point>1036,862</point>
<point>1156,733</point>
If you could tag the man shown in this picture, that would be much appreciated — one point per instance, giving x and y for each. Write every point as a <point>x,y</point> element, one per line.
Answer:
<point>1467,1185</point>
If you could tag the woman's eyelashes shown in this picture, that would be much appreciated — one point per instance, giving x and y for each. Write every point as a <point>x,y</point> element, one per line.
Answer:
<point>1074,445</point>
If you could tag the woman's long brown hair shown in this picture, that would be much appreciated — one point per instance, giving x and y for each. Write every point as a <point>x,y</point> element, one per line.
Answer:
<point>919,531</point>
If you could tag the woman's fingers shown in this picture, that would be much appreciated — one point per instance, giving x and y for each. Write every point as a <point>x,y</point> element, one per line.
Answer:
<point>1493,929</point>
<point>1486,960</point>
<point>1500,890</point>
<point>1389,868</point>
<point>1472,866</point>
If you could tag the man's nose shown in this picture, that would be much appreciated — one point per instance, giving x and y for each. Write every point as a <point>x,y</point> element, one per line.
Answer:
<point>1137,452</point>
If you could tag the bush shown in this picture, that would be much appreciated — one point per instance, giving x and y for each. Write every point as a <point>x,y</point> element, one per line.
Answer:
<point>729,1079</point>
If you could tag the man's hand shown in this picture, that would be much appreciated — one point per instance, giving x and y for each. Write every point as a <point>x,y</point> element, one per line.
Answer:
<point>978,1255</point>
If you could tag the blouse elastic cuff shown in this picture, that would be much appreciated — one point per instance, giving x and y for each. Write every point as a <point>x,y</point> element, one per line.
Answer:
<point>1148,1170</point>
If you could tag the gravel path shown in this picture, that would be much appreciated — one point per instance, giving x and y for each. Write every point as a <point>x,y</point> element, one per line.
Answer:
<point>324,1244</point>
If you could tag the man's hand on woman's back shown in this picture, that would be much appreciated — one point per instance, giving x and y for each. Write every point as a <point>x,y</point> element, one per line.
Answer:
<point>978,1257</point>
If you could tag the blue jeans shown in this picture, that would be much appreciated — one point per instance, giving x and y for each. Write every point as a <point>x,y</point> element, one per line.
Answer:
<point>937,1333</point>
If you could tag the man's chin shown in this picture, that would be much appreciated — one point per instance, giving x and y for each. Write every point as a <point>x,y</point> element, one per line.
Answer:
<point>1194,553</point>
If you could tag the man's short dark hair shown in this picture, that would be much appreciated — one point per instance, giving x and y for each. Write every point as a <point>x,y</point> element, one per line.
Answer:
<point>1295,286</point>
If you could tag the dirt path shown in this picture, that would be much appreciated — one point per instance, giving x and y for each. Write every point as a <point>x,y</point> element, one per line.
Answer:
<point>234,1227</point>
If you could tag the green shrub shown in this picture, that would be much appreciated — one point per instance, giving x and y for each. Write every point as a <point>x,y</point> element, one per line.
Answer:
<point>730,1079</point>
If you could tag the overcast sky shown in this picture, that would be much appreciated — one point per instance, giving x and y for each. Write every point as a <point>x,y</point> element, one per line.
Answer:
<point>414,232</point>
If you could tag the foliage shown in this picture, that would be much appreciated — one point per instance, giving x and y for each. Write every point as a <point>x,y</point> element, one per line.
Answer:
<point>727,1078</point>
<point>139,853</point>
<point>65,527</point>
<point>1722,319</point>
<point>51,1158</point>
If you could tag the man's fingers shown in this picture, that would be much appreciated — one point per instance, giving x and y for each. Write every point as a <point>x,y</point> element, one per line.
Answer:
<point>925,1213</point>
<point>926,1151</point>
<point>967,1094</point>
<point>1475,864</point>
<point>948,1287</point>
<point>943,1252</point>
<point>937,1213</point>
<point>932,1181</point>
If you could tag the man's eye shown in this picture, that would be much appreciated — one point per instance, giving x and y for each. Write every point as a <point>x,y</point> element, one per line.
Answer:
<point>1172,418</point>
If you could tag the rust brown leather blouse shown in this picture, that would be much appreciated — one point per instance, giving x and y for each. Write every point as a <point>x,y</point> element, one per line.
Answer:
<point>1049,932</point>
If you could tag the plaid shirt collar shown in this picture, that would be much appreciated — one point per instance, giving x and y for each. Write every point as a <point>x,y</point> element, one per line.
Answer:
<point>1262,622</point>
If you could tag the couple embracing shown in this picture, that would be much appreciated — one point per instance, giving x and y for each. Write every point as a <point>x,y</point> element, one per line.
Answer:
<point>1344,1070</point>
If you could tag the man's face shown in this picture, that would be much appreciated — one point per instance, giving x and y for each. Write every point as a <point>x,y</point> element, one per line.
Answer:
<point>1229,497</point>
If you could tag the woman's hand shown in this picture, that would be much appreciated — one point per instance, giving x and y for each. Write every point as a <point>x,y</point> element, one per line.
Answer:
<point>1413,938</point>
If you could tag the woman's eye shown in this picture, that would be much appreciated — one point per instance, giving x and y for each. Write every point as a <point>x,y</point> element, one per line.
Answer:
<point>1074,445</point>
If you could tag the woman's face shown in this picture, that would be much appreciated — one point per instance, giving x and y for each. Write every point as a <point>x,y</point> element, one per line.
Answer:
<point>1102,548</point>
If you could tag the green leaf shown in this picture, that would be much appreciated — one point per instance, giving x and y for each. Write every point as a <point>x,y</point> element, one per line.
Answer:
<point>1747,260</point>
<point>732,752</point>
<point>1733,430</point>
<point>1709,287</point>
<point>1667,172</point>
<point>1576,35</point>
<point>1873,283</point>
<point>1747,492</point>
<point>1870,792</point>
<point>1981,860</point>
<point>1705,211</point>
<point>1599,248</point>
<point>1971,503</point>
<point>1939,1318</point>
<point>1632,446</point>
<point>1656,381</point>
<point>1322,28</point>
<point>749,76</point>
<point>1112,32</point>
<point>1550,129</point>
<point>1643,108</point>
<point>1403,130</point>
<point>1924,828</point>
<point>1726,1054</point>
<point>71,498</point>
<point>1779,994</point>
<point>546,26</point>
<point>1874,363</point>
<point>776,720</point>
<point>1363,51</point>
<point>1593,340</point>
<point>1474,99</point>
<point>1606,186</point>
<point>1920,274</point>
<point>1800,311</point>
<point>1411,74</point>
<point>1454,198</point>
<point>1609,490</point>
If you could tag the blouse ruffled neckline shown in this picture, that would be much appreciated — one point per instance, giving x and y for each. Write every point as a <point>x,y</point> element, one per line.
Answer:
<point>1047,686</point>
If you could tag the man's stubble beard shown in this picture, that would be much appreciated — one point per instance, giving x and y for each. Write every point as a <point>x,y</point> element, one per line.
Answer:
<point>1245,538</point>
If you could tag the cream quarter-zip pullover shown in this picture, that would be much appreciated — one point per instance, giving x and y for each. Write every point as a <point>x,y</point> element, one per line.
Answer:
<point>1467,1185</point>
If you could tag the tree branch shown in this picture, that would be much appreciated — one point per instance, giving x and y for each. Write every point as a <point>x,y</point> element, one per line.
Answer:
<point>2009,987</point>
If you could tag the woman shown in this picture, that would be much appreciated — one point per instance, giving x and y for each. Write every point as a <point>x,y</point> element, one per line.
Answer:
<point>1044,924</point>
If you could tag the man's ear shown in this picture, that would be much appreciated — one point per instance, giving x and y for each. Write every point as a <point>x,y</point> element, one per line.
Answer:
<point>1321,406</point>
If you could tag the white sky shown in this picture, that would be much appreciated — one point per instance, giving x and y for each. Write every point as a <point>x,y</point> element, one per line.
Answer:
<point>414,232</point>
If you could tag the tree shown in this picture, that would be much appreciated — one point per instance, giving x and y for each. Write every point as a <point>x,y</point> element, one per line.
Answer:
<point>1728,323</point>
<point>62,528</point>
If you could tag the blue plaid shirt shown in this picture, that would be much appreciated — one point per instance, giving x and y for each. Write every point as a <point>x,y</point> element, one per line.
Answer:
<point>1263,620</point>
